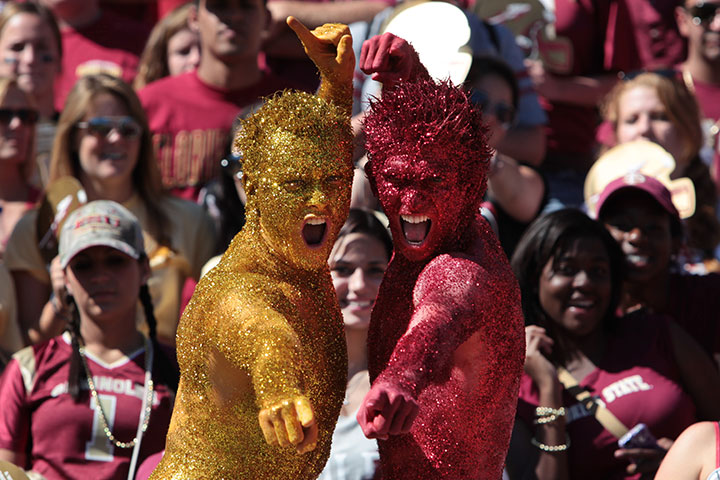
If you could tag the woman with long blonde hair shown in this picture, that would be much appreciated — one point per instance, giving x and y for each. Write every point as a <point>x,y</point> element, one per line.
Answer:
<point>103,140</point>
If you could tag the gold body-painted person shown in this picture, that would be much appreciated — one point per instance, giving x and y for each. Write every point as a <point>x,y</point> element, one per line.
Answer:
<point>261,345</point>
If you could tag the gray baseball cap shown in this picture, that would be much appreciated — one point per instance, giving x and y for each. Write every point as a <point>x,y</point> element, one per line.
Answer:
<point>100,223</point>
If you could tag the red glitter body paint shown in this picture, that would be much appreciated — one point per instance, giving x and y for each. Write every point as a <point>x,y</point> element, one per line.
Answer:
<point>447,327</point>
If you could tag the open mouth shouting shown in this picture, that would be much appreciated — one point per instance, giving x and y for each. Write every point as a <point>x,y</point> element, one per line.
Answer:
<point>314,231</point>
<point>415,228</point>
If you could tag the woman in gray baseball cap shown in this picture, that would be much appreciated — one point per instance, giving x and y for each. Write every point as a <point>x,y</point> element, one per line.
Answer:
<point>96,400</point>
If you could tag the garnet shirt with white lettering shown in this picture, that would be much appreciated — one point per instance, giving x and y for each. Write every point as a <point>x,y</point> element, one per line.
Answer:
<point>66,438</point>
<point>637,380</point>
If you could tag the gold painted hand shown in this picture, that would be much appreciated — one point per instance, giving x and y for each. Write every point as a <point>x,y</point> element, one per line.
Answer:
<point>290,422</point>
<point>329,46</point>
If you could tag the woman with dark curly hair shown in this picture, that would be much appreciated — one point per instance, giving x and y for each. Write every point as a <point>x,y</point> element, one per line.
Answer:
<point>641,368</point>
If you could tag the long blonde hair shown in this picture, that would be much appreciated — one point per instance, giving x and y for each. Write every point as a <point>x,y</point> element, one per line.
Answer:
<point>146,175</point>
<point>154,60</point>
<point>28,167</point>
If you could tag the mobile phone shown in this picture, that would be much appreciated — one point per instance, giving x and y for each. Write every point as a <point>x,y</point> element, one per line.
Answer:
<point>638,437</point>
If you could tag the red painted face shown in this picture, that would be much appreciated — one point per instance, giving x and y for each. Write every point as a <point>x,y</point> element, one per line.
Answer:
<point>424,203</point>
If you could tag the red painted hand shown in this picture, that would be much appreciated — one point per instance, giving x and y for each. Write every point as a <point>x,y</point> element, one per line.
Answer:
<point>389,59</point>
<point>387,410</point>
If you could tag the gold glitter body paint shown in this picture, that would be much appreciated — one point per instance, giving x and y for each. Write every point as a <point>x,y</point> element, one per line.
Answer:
<point>263,330</point>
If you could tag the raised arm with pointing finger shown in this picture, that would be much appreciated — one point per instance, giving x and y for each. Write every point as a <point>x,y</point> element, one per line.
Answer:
<point>261,345</point>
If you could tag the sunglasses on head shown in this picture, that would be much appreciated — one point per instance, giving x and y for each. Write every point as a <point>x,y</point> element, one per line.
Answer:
<point>703,13</point>
<point>503,112</point>
<point>669,73</point>
<point>102,126</point>
<point>27,116</point>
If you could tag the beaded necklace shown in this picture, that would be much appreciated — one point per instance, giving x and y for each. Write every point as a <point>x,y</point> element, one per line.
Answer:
<point>147,398</point>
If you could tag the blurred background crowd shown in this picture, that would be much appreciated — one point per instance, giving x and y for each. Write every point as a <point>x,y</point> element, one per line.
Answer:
<point>603,190</point>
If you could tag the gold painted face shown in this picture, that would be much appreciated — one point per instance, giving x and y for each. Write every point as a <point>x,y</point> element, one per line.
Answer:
<point>297,160</point>
<point>303,198</point>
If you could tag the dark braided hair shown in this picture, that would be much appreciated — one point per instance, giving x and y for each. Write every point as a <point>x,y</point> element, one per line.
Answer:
<point>167,371</point>
<point>76,373</point>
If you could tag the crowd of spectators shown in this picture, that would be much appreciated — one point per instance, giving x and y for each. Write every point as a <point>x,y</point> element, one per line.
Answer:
<point>139,102</point>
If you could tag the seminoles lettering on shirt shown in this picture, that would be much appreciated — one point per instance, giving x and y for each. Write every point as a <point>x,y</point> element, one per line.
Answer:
<point>190,157</point>
<point>98,447</point>
<point>113,386</point>
<point>614,391</point>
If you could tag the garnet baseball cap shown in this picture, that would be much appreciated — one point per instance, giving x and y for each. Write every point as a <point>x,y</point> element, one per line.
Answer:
<point>638,181</point>
<point>638,157</point>
<point>100,223</point>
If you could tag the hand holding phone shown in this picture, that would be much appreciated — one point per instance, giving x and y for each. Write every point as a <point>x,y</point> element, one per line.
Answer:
<point>639,436</point>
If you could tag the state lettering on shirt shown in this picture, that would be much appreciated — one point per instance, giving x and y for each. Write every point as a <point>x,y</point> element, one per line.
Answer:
<point>625,386</point>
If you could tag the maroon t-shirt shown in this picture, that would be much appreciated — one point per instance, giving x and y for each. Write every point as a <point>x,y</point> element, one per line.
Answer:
<point>191,121</point>
<point>588,42</point>
<point>638,381</point>
<point>64,438</point>
<point>655,31</point>
<point>112,45</point>
<point>708,96</point>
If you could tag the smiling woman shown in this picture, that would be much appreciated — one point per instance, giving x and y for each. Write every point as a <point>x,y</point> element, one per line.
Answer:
<point>103,140</point>
<point>357,264</point>
<point>570,271</point>
<point>640,214</point>
<point>112,388</point>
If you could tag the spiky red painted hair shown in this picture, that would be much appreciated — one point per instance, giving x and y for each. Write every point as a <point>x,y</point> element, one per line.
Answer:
<point>424,119</point>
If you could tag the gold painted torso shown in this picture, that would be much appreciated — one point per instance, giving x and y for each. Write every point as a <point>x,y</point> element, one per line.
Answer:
<point>241,321</point>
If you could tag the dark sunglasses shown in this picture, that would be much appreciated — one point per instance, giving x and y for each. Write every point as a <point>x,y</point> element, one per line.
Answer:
<point>703,13</point>
<point>503,112</point>
<point>102,126</point>
<point>27,116</point>
<point>670,73</point>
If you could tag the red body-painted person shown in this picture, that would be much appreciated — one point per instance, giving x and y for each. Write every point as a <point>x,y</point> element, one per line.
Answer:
<point>446,334</point>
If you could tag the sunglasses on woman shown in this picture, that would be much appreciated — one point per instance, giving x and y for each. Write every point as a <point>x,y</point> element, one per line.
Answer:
<point>703,13</point>
<point>102,126</point>
<point>503,112</point>
<point>27,116</point>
